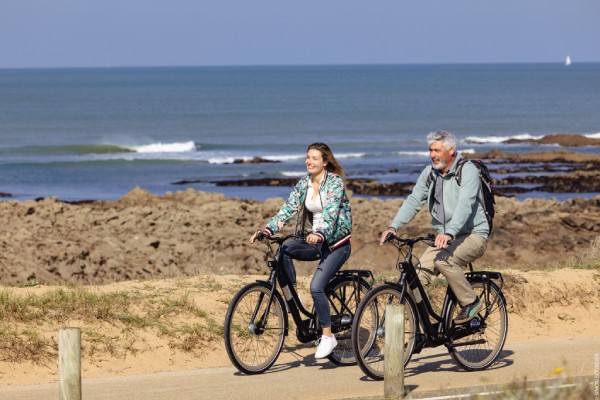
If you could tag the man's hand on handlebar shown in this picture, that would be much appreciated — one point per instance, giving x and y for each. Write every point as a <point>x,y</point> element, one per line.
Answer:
<point>384,235</point>
<point>442,241</point>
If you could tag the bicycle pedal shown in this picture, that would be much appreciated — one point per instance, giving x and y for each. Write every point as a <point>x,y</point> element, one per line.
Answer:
<point>419,343</point>
<point>475,323</point>
<point>346,319</point>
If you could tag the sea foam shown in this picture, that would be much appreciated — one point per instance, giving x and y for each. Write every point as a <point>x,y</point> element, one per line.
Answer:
<point>180,147</point>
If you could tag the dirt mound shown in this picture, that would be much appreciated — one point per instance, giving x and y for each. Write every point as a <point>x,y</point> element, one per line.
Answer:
<point>186,233</point>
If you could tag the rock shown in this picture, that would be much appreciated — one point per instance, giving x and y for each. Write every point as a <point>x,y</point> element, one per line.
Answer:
<point>254,160</point>
<point>560,139</point>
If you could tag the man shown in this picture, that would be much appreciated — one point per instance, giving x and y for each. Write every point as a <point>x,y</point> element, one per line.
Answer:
<point>457,215</point>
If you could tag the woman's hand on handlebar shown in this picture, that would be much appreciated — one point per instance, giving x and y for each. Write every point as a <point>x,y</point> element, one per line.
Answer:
<point>313,239</point>
<point>385,234</point>
<point>257,235</point>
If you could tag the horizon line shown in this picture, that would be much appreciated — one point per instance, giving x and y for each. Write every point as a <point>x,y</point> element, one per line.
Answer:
<point>109,66</point>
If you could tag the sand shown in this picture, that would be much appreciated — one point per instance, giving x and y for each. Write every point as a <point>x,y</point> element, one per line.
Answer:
<point>542,305</point>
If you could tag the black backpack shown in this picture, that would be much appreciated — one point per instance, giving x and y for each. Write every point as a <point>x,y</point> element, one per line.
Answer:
<point>489,201</point>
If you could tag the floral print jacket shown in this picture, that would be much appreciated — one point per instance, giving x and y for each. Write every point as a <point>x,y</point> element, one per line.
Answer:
<point>335,225</point>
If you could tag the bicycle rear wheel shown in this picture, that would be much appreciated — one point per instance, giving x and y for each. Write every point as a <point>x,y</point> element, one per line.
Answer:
<point>344,298</point>
<point>368,329</point>
<point>254,335</point>
<point>477,347</point>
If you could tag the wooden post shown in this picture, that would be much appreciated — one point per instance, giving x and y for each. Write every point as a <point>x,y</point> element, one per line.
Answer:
<point>69,364</point>
<point>393,363</point>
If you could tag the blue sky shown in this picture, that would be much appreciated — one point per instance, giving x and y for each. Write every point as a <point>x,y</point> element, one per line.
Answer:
<point>89,33</point>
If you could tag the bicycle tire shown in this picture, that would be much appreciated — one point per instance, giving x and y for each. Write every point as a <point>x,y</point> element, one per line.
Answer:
<point>488,340</point>
<point>253,348</point>
<point>344,299</point>
<point>368,329</point>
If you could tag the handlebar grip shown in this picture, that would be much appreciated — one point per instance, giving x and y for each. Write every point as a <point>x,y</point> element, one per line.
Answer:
<point>261,236</point>
<point>388,237</point>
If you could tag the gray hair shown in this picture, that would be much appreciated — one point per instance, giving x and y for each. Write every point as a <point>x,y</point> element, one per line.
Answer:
<point>447,138</point>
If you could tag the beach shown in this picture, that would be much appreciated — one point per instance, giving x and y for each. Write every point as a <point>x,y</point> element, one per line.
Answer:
<point>146,253</point>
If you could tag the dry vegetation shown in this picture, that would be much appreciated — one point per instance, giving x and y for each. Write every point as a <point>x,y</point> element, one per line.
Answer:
<point>113,323</point>
<point>117,323</point>
<point>560,388</point>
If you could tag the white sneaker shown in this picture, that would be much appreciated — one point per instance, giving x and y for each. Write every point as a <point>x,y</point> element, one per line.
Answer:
<point>325,346</point>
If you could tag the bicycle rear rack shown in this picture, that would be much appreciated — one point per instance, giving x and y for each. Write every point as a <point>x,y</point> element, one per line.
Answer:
<point>485,277</point>
<point>356,273</point>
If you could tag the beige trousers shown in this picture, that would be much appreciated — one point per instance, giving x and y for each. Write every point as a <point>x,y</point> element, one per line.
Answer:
<point>450,263</point>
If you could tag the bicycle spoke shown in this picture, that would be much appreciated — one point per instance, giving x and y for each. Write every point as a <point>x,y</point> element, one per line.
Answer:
<point>369,329</point>
<point>466,351</point>
<point>254,335</point>
<point>344,299</point>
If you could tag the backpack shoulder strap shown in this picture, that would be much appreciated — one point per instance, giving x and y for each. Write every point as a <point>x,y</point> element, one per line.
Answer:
<point>430,178</point>
<point>459,167</point>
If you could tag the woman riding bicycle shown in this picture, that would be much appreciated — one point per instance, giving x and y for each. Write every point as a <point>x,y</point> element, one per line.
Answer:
<point>321,207</point>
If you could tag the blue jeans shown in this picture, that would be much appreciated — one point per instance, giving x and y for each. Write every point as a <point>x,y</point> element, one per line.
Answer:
<point>331,262</point>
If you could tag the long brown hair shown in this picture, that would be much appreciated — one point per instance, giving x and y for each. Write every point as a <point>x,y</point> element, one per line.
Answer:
<point>332,164</point>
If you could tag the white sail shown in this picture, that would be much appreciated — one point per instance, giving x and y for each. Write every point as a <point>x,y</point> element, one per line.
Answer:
<point>568,60</point>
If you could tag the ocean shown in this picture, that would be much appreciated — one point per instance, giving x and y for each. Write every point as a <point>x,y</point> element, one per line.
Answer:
<point>83,134</point>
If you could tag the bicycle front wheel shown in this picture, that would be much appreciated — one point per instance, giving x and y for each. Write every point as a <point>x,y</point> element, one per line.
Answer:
<point>368,329</point>
<point>254,334</point>
<point>481,341</point>
<point>343,302</point>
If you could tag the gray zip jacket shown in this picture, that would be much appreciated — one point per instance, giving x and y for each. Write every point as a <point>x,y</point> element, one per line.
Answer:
<point>463,207</point>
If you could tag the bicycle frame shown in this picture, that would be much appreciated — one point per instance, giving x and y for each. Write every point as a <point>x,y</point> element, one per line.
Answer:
<point>473,345</point>
<point>439,332</point>
<point>308,329</point>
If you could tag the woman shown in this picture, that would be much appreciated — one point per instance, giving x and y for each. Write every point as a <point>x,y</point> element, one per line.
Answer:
<point>322,208</point>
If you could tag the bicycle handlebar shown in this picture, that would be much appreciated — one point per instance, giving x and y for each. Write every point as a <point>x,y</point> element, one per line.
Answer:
<point>410,241</point>
<point>261,236</point>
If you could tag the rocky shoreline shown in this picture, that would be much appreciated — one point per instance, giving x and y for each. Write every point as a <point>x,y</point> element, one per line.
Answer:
<point>186,233</point>
<point>561,139</point>
<point>550,172</point>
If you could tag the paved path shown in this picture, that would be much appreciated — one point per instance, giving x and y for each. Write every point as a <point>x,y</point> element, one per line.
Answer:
<point>307,379</point>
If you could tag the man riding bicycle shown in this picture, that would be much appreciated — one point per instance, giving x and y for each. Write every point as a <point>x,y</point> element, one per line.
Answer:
<point>457,215</point>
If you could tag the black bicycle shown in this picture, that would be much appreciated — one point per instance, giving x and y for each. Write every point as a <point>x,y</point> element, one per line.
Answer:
<point>257,322</point>
<point>474,345</point>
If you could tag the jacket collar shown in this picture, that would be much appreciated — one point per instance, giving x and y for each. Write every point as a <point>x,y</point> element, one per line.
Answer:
<point>323,179</point>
